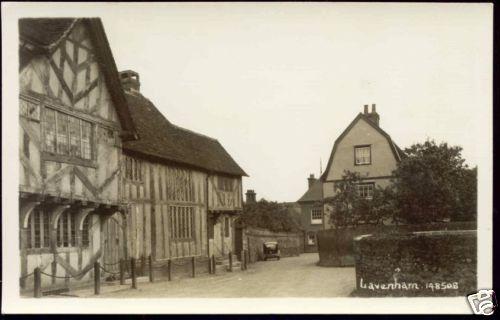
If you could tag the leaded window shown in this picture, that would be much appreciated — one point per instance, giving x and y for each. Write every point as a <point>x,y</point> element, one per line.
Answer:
<point>67,135</point>
<point>38,230</point>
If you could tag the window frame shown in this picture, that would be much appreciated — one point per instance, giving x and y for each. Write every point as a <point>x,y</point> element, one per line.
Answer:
<point>364,184</point>
<point>181,223</point>
<point>363,146</point>
<point>309,234</point>
<point>44,231</point>
<point>68,157</point>
<point>316,221</point>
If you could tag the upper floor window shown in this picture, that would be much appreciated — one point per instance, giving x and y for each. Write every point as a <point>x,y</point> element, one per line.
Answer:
<point>365,190</point>
<point>224,184</point>
<point>133,169</point>
<point>67,135</point>
<point>316,216</point>
<point>362,155</point>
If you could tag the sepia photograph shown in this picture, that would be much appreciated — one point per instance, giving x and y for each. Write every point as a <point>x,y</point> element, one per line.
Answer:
<point>247,157</point>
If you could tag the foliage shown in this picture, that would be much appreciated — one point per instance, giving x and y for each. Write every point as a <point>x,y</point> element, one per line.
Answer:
<point>269,215</point>
<point>433,183</point>
<point>350,209</point>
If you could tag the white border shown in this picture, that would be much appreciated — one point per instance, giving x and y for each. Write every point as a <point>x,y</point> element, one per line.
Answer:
<point>12,303</point>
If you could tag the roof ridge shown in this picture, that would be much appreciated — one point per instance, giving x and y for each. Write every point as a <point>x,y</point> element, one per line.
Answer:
<point>194,132</point>
<point>139,94</point>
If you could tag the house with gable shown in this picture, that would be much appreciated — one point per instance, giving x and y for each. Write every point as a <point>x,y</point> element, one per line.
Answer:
<point>73,118</point>
<point>104,176</point>
<point>363,147</point>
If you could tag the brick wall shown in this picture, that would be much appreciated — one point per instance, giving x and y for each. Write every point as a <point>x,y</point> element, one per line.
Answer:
<point>430,263</point>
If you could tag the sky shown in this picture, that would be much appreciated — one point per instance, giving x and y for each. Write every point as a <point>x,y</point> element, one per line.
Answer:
<point>276,84</point>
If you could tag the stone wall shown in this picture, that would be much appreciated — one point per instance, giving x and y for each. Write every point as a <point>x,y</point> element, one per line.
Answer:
<point>428,263</point>
<point>335,246</point>
<point>291,244</point>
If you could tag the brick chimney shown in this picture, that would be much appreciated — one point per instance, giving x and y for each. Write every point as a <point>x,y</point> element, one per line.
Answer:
<point>311,180</point>
<point>130,81</point>
<point>373,115</point>
<point>250,196</point>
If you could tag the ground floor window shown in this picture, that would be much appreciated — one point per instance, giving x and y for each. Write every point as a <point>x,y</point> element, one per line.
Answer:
<point>365,190</point>
<point>311,239</point>
<point>181,222</point>
<point>38,230</point>
<point>66,230</point>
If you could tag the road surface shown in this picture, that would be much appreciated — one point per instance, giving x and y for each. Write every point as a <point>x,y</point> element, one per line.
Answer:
<point>289,277</point>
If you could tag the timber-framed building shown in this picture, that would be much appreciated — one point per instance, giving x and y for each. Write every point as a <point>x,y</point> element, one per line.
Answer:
<point>104,175</point>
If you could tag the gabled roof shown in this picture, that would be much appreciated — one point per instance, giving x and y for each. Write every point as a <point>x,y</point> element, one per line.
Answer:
<point>314,193</point>
<point>162,140</point>
<point>42,35</point>
<point>398,153</point>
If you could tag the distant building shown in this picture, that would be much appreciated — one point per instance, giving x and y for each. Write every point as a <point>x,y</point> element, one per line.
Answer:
<point>365,148</point>
<point>311,213</point>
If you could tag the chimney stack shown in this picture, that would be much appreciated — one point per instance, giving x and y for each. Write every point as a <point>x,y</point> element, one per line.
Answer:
<point>250,196</point>
<point>130,81</point>
<point>373,115</point>
<point>311,180</point>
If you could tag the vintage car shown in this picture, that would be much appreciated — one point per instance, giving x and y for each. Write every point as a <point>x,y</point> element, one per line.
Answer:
<point>271,250</point>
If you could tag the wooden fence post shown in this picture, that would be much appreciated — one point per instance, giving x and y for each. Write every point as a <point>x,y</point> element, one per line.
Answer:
<point>132,273</point>
<point>169,269</point>
<point>143,265</point>
<point>209,265</point>
<point>193,267</point>
<point>97,278</point>
<point>242,258</point>
<point>53,266</point>
<point>214,267</point>
<point>122,271</point>
<point>37,276</point>
<point>230,254</point>
<point>151,273</point>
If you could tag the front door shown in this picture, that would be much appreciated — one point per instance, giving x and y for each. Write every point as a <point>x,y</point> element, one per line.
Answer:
<point>114,242</point>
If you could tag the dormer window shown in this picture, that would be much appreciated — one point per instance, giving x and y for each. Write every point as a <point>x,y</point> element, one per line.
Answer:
<point>362,155</point>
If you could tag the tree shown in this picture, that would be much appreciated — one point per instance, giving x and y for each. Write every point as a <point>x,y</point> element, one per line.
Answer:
<point>433,183</point>
<point>350,209</point>
<point>268,215</point>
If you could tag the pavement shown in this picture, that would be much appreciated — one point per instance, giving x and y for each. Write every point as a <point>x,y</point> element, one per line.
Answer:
<point>288,277</point>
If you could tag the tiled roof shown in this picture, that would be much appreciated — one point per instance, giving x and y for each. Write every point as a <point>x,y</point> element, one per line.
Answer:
<point>44,31</point>
<point>161,139</point>
<point>315,193</point>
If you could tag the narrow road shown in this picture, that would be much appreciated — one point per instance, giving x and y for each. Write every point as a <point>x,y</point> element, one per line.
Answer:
<point>289,277</point>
